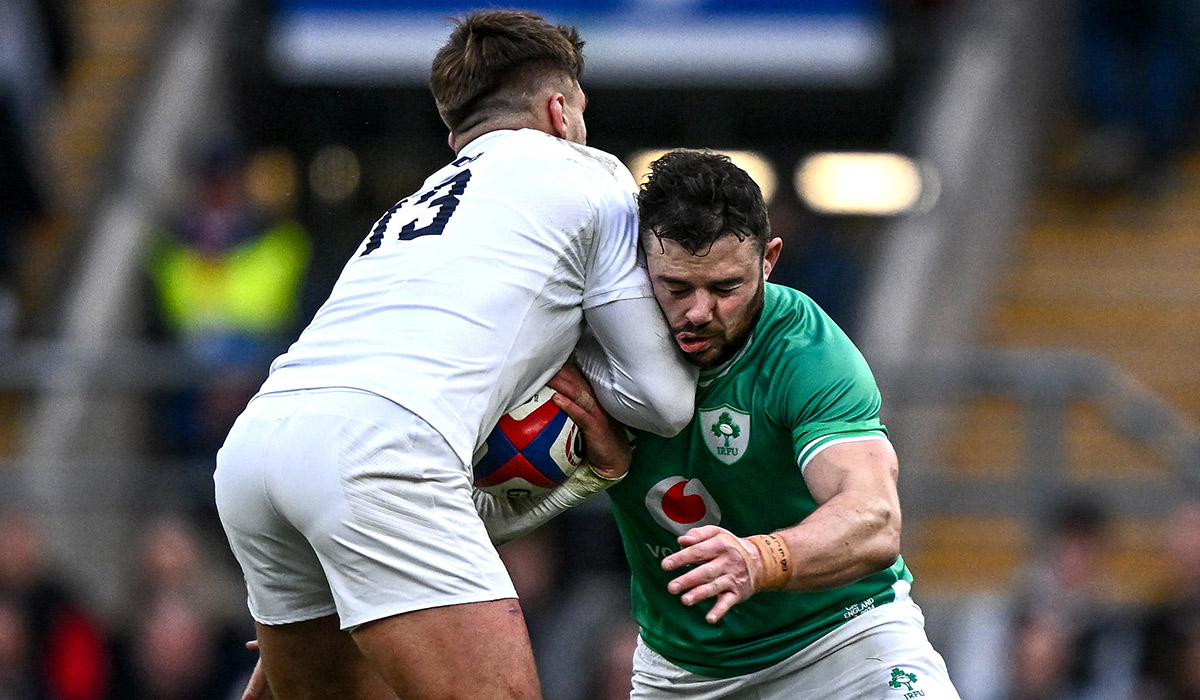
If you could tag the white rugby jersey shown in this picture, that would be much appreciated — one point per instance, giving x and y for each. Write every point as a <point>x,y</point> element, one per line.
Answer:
<point>468,295</point>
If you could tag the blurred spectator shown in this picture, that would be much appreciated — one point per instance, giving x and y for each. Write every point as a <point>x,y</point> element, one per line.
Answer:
<point>20,203</point>
<point>1067,576</point>
<point>1060,627</point>
<point>35,48</point>
<point>175,652</point>
<point>14,654</point>
<point>1171,665</point>
<point>180,640</point>
<point>1067,589</point>
<point>172,560</point>
<point>1041,661</point>
<point>227,278</point>
<point>64,647</point>
<point>1137,66</point>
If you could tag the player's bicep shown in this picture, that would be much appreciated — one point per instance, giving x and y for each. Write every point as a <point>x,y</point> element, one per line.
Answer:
<point>865,467</point>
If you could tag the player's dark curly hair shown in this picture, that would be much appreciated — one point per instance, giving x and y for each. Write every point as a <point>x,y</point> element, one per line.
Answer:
<point>495,59</point>
<point>695,197</point>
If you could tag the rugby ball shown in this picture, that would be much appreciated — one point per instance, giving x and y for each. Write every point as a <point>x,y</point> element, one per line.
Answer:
<point>533,448</point>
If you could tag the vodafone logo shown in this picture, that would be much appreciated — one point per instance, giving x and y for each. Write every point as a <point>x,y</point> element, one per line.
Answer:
<point>680,504</point>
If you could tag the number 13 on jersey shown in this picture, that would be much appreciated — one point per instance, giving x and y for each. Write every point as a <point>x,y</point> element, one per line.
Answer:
<point>435,206</point>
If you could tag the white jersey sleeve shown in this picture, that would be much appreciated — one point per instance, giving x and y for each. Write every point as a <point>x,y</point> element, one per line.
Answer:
<point>637,376</point>
<point>614,271</point>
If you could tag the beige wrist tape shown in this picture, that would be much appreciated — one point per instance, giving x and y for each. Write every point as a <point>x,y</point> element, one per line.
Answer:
<point>776,562</point>
<point>585,481</point>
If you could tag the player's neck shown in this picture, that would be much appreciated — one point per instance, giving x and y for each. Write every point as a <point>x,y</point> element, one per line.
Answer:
<point>459,140</point>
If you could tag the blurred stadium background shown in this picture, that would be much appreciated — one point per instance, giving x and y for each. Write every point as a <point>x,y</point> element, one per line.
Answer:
<point>1021,273</point>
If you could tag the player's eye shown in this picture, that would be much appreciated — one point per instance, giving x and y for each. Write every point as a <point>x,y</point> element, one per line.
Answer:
<point>727,289</point>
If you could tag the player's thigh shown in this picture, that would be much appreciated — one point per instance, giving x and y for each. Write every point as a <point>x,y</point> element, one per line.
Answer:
<point>472,651</point>
<point>656,678</point>
<point>316,660</point>
<point>892,660</point>
<point>884,655</point>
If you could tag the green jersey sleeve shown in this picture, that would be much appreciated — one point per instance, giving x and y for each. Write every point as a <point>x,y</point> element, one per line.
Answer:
<point>839,401</point>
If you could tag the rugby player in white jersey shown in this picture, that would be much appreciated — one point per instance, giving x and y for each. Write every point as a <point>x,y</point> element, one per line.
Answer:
<point>345,486</point>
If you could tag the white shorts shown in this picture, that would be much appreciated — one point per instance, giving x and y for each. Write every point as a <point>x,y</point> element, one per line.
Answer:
<point>880,655</point>
<point>341,501</point>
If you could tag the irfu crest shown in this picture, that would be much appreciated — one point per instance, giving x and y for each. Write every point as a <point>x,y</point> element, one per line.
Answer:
<point>726,432</point>
<point>725,427</point>
<point>902,679</point>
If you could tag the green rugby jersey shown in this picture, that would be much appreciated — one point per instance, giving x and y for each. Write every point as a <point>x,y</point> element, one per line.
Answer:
<point>799,383</point>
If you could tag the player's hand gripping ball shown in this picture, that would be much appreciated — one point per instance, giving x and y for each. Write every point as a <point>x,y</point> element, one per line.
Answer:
<point>534,448</point>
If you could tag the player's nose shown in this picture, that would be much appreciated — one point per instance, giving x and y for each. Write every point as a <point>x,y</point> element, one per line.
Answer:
<point>700,311</point>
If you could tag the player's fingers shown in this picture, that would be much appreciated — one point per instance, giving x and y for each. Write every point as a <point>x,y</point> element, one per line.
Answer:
<point>256,687</point>
<point>702,533</point>
<point>571,371</point>
<point>725,602</point>
<point>569,383</point>
<point>685,556</point>
<point>581,396</point>
<point>705,591</point>
<point>607,450</point>
<point>701,544</point>
<point>693,578</point>
<point>568,380</point>
<point>563,388</point>
<point>727,566</point>
<point>699,593</point>
<point>715,581</point>
<point>573,410</point>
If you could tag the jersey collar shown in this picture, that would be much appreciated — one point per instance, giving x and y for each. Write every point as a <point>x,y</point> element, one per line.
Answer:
<point>708,376</point>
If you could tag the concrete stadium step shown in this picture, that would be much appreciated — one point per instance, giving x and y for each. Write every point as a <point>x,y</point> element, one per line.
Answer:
<point>1128,292</point>
<point>960,555</point>
<point>1097,324</point>
<point>11,406</point>
<point>991,434</point>
<point>1117,276</point>
<point>113,44</point>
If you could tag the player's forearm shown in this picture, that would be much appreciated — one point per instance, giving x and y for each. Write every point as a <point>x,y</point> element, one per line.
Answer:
<point>846,539</point>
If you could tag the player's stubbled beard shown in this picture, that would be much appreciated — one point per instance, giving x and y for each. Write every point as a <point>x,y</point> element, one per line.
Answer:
<point>726,342</point>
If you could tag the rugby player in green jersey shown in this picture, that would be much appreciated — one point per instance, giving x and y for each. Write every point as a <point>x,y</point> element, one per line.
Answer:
<point>763,539</point>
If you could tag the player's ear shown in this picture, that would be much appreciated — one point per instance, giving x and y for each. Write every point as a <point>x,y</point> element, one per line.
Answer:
<point>556,110</point>
<point>771,255</point>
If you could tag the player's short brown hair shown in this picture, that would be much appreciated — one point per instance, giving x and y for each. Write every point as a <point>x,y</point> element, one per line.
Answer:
<point>494,61</point>
<point>696,197</point>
